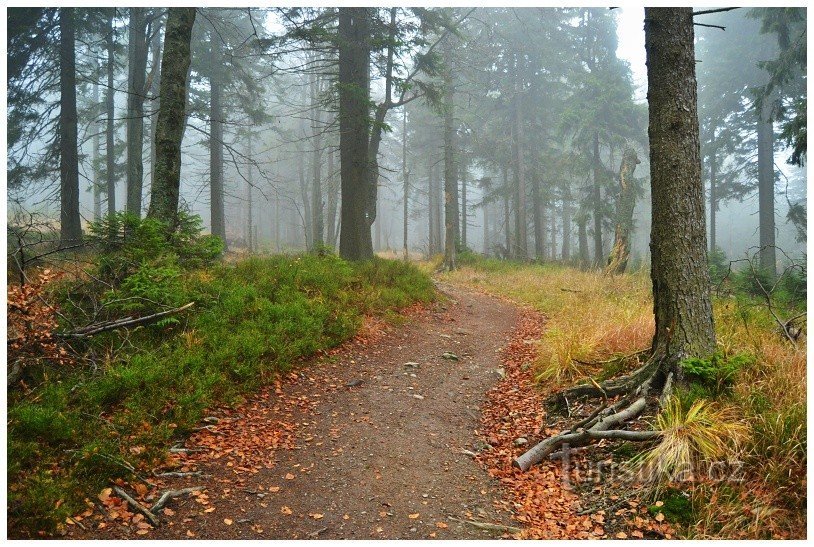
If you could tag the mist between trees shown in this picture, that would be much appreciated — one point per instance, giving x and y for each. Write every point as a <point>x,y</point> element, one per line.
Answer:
<point>496,130</point>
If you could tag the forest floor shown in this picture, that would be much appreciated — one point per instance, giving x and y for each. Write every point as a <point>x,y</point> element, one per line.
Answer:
<point>367,443</point>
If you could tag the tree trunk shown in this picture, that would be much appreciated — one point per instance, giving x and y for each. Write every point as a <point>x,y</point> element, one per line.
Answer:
<point>582,232</point>
<point>566,224</point>
<point>765,162</point>
<point>169,130</point>
<point>553,230</point>
<point>250,240</point>
<point>405,175</point>
<point>216,205</point>
<point>464,214</point>
<point>597,202</point>
<point>713,194</point>
<point>681,285</point>
<point>306,203</point>
<point>318,222</point>
<point>619,255</point>
<point>450,176</point>
<point>507,214</point>
<point>110,134</point>
<point>97,189</point>
<point>70,231</point>
<point>487,242</point>
<point>155,85</point>
<point>538,219</point>
<point>333,199</point>
<point>354,91</point>
<point>521,236</point>
<point>136,79</point>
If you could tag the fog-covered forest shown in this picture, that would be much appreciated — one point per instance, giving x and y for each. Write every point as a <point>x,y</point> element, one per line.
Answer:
<point>542,106</point>
<point>406,273</point>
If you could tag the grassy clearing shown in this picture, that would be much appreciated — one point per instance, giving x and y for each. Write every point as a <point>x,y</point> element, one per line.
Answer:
<point>756,384</point>
<point>75,427</point>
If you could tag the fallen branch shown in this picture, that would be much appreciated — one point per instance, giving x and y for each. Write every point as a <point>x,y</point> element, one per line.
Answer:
<point>170,494</point>
<point>491,526</point>
<point>97,328</point>
<point>154,520</point>
<point>178,474</point>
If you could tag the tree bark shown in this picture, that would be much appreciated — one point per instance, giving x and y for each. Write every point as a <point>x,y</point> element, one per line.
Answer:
<point>521,236</point>
<point>405,175</point>
<point>464,214</point>
<point>110,134</point>
<point>538,219</point>
<point>136,79</point>
<point>450,175</point>
<point>582,234</point>
<point>318,222</point>
<point>713,194</point>
<point>619,255</point>
<point>765,162</point>
<point>155,85</point>
<point>507,214</point>
<point>333,200</point>
<point>355,241</point>
<point>597,202</point>
<point>681,285</point>
<point>216,205</point>
<point>171,115</point>
<point>70,231</point>
<point>566,224</point>
<point>97,189</point>
<point>250,240</point>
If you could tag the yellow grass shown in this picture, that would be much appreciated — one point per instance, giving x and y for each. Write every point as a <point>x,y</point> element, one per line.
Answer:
<point>591,317</point>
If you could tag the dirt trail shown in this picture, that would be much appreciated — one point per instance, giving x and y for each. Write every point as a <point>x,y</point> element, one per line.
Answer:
<point>379,460</point>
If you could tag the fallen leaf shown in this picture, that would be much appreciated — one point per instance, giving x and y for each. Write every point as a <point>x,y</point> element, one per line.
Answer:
<point>286,510</point>
<point>432,535</point>
<point>104,495</point>
<point>209,510</point>
<point>345,517</point>
<point>169,512</point>
<point>316,516</point>
<point>190,534</point>
<point>413,516</point>
<point>441,525</point>
<point>228,522</point>
<point>659,503</point>
<point>274,488</point>
<point>289,476</point>
<point>659,517</point>
<point>142,531</point>
<point>621,535</point>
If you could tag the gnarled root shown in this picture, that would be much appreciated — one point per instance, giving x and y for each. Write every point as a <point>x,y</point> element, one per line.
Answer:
<point>601,428</point>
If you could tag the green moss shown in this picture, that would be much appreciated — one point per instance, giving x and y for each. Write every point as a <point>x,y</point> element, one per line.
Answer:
<point>677,508</point>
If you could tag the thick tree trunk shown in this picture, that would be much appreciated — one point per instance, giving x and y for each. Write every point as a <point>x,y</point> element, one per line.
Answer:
<point>306,202</point>
<point>136,79</point>
<point>110,133</point>
<point>553,230</point>
<point>432,233</point>
<point>450,177</point>
<point>582,233</point>
<point>681,286</point>
<point>487,240</point>
<point>619,255</point>
<point>354,91</point>
<point>171,115</point>
<point>765,162</point>
<point>597,202</point>
<point>70,231</point>
<point>216,205</point>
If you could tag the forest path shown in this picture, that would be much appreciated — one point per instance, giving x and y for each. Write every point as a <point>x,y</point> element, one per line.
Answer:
<point>380,460</point>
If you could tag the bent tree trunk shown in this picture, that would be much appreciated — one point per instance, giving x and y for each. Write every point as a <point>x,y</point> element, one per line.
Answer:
<point>169,129</point>
<point>617,260</point>
<point>682,307</point>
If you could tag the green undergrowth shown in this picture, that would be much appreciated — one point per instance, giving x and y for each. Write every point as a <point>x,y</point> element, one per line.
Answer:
<point>76,427</point>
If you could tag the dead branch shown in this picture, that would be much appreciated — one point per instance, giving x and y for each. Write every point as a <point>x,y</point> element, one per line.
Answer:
<point>154,520</point>
<point>170,494</point>
<point>96,328</point>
